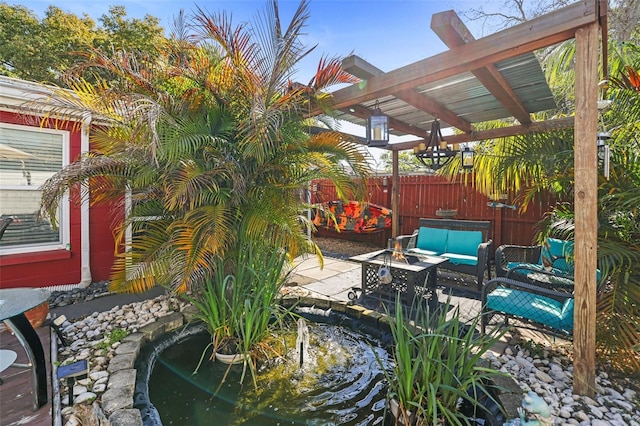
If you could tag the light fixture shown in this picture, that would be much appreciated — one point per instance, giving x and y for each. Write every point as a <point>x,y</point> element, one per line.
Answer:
<point>377,128</point>
<point>467,158</point>
<point>602,137</point>
<point>437,152</point>
<point>604,153</point>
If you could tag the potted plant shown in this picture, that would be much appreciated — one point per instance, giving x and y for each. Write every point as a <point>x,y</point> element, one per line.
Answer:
<point>438,367</point>
<point>238,304</point>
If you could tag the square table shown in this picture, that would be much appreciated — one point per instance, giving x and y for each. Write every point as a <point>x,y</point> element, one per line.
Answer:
<point>411,276</point>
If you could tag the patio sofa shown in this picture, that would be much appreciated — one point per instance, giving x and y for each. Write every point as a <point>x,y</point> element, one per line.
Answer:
<point>464,243</point>
<point>541,307</point>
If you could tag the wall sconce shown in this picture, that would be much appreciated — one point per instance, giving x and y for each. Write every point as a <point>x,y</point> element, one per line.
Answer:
<point>377,128</point>
<point>437,153</point>
<point>602,138</point>
<point>604,153</point>
<point>385,181</point>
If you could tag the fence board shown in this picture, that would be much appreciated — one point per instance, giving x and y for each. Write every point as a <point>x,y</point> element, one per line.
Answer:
<point>422,195</point>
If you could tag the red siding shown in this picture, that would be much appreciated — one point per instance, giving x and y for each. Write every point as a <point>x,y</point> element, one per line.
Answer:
<point>58,267</point>
<point>102,240</point>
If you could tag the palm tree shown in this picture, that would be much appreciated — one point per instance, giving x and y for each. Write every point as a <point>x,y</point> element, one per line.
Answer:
<point>212,143</point>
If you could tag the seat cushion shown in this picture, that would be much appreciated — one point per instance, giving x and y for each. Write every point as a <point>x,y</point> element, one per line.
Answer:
<point>532,306</point>
<point>423,252</point>
<point>432,239</point>
<point>464,242</point>
<point>461,259</point>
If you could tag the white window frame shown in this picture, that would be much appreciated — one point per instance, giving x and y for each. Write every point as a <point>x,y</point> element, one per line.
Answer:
<point>64,210</point>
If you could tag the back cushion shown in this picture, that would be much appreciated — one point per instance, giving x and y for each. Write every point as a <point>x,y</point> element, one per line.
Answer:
<point>559,248</point>
<point>433,239</point>
<point>464,242</point>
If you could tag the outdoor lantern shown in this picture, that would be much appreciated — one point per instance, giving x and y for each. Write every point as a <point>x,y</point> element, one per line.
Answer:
<point>602,138</point>
<point>467,158</point>
<point>436,153</point>
<point>377,128</point>
<point>604,153</point>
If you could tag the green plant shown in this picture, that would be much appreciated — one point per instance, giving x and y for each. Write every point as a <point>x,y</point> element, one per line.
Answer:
<point>239,308</point>
<point>115,335</point>
<point>438,365</point>
<point>534,348</point>
<point>212,140</point>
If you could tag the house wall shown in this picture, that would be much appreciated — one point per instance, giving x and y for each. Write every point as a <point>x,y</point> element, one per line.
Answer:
<point>61,266</point>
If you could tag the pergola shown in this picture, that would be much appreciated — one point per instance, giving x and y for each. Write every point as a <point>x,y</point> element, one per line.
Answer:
<point>498,77</point>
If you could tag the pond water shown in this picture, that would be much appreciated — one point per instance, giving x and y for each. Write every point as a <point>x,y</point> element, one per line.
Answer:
<point>340,382</point>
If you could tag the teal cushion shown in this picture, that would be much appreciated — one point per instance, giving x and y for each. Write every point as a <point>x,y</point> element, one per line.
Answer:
<point>423,252</point>
<point>464,242</point>
<point>531,306</point>
<point>461,259</point>
<point>559,248</point>
<point>566,316</point>
<point>432,239</point>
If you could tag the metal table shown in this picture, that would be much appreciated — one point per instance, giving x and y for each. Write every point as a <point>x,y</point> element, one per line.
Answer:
<point>412,277</point>
<point>13,304</point>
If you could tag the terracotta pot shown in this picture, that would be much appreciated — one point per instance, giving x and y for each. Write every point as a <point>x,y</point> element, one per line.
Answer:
<point>38,315</point>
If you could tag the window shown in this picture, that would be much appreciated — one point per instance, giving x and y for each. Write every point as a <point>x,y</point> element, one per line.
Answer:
<point>28,157</point>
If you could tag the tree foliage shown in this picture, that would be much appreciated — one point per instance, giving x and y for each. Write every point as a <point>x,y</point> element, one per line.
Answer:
<point>211,141</point>
<point>43,50</point>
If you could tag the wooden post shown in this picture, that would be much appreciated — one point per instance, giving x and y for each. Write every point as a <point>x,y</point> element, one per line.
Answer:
<point>586,199</point>
<point>395,198</point>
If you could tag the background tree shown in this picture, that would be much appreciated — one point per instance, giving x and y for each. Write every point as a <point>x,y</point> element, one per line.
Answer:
<point>43,50</point>
<point>407,162</point>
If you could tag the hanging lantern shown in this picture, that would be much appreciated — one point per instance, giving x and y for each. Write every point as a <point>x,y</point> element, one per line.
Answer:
<point>377,128</point>
<point>467,158</point>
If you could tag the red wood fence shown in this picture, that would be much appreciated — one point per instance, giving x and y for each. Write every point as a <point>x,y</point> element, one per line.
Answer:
<point>422,195</point>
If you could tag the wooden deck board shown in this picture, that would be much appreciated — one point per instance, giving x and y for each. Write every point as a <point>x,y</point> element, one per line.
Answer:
<point>16,393</point>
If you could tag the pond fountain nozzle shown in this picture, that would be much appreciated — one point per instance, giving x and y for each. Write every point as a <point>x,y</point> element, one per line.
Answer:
<point>302,342</point>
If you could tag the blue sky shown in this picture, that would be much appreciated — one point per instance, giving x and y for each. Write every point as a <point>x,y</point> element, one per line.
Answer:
<point>387,33</point>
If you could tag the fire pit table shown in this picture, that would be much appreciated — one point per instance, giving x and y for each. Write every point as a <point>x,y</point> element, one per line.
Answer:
<point>411,276</point>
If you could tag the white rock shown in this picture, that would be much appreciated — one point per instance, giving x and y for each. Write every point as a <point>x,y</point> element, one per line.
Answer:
<point>596,412</point>
<point>581,416</point>
<point>85,397</point>
<point>73,421</point>
<point>97,375</point>
<point>99,387</point>
<point>544,377</point>
<point>84,382</point>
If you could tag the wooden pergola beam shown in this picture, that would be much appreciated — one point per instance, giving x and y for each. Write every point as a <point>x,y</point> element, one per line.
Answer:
<point>364,113</point>
<point>541,32</point>
<point>362,69</point>
<point>452,31</point>
<point>535,127</point>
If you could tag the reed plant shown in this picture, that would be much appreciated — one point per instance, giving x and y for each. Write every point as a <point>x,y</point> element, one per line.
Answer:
<point>238,302</point>
<point>438,366</point>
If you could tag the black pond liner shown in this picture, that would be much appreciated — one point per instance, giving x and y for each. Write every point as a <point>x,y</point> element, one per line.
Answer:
<point>149,354</point>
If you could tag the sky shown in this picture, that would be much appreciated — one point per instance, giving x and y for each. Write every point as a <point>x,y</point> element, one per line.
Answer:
<point>387,33</point>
